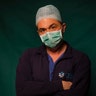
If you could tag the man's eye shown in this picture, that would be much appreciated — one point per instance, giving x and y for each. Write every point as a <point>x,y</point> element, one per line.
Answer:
<point>53,27</point>
<point>41,30</point>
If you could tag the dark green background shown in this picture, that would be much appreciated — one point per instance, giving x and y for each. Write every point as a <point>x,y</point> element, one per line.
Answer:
<point>18,32</point>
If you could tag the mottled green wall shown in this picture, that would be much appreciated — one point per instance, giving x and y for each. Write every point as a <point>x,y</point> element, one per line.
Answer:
<point>18,32</point>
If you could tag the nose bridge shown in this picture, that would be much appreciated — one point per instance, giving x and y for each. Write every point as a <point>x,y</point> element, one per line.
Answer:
<point>48,30</point>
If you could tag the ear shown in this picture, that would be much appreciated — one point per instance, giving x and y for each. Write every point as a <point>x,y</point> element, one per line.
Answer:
<point>63,27</point>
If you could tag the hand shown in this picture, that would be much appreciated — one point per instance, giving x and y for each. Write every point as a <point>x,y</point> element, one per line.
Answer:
<point>66,85</point>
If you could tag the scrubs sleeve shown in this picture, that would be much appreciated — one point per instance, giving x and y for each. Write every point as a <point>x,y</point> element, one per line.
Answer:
<point>81,79</point>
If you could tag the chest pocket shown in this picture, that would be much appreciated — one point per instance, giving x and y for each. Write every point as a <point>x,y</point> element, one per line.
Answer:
<point>64,70</point>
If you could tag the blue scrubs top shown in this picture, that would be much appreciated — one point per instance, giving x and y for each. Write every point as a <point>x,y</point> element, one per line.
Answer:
<point>52,65</point>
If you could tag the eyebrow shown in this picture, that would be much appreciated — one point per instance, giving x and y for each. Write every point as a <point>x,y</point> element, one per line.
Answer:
<point>41,28</point>
<point>48,27</point>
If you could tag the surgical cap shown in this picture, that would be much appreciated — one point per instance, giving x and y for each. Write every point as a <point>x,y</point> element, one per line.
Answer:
<point>48,11</point>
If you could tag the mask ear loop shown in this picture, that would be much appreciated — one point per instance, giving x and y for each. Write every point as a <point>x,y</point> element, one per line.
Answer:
<point>41,36</point>
<point>61,35</point>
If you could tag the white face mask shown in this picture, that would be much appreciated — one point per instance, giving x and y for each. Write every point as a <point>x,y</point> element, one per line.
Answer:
<point>51,39</point>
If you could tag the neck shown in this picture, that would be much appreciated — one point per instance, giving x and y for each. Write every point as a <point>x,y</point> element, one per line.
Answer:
<point>60,48</point>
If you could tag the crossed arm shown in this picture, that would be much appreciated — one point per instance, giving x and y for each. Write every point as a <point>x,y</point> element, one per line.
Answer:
<point>26,86</point>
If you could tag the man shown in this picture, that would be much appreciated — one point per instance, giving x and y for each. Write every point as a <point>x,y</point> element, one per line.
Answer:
<point>55,68</point>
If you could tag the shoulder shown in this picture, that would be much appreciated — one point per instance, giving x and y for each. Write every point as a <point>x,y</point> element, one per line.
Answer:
<point>77,55</point>
<point>80,58</point>
<point>75,52</point>
<point>31,52</point>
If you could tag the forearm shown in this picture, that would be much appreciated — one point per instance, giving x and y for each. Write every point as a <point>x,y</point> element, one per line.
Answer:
<point>80,81</point>
<point>36,88</point>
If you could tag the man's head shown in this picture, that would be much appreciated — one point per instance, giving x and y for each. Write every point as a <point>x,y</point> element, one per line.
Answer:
<point>49,24</point>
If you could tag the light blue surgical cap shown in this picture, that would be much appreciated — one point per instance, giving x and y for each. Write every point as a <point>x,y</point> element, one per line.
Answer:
<point>48,11</point>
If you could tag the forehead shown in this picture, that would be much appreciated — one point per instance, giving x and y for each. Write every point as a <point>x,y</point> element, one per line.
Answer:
<point>46,22</point>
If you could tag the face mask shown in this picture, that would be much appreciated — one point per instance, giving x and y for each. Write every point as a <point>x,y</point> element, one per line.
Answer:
<point>51,39</point>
